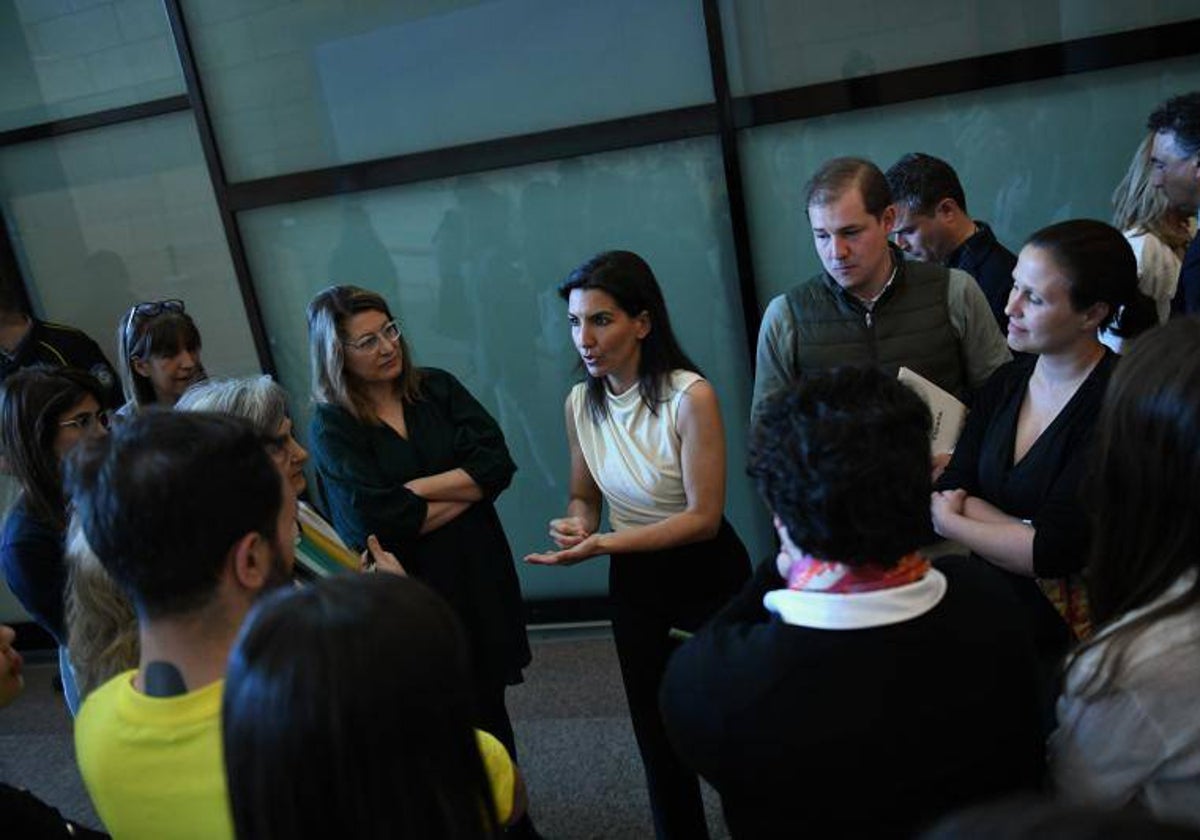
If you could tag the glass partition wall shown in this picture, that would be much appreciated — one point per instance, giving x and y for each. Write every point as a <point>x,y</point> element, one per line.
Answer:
<point>461,156</point>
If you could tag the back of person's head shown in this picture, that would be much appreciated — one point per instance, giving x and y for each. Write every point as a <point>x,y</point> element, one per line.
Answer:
<point>102,629</point>
<point>920,182</point>
<point>257,399</point>
<point>167,496</point>
<point>1099,266</point>
<point>1141,207</point>
<point>1037,818</point>
<point>1145,508</point>
<point>328,314</point>
<point>629,281</point>
<point>153,329</point>
<point>842,458</point>
<point>1180,116</point>
<point>32,402</point>
<point>836,176</point>
<point>349,703</point>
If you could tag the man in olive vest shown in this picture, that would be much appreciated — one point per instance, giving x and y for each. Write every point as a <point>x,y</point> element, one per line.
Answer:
<point>870,306</point>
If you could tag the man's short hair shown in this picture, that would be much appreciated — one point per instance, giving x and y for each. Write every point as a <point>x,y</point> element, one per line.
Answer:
<point>842,458</point>
<point>840,174</point>
<point>164,498</point>
<point>920,181</point>
<point>1180,116</point>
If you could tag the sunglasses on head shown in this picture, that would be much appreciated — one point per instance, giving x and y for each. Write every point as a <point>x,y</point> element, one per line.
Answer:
<point>149,309</point>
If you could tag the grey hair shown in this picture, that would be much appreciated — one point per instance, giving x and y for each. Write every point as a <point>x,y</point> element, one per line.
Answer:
<point>255,398</point>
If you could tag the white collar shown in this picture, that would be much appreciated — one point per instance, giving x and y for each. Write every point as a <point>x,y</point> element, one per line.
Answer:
<point>857,610</point>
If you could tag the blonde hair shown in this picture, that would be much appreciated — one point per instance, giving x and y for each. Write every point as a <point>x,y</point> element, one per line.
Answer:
<point>1140,207</point>
<point>102,628</point>
<point>327,316</point>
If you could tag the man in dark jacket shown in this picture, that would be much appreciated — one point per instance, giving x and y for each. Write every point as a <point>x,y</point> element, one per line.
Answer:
<point>1175,162</point>
<point>26,341</point>
<point>932,224</point>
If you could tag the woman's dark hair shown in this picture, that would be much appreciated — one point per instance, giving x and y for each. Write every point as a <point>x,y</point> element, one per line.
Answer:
<point>842,458</point>
<point>1100,267</point>
<point>349,704</point>
<point>1142,488</point>
<point>31,402</point>
<point>164,335</point>
<point>628,280</point>
<point>328,313</point>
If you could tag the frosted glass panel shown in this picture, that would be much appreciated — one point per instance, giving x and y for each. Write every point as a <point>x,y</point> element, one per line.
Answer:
<point>470,266</point>
<point>302,85</point>
<point>62,59</point>
<point>773,44</point>
<point>101,219</point>
<point>1028,155</point>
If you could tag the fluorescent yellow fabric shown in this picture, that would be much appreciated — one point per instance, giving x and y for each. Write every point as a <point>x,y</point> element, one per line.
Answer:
<point>500,772</point>
<point>154,766</point>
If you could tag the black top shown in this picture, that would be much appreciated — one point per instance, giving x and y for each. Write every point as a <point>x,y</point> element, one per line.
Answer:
<point>363,469</point>
<point>58,345</point>
<point>870,732</point>
<point>1044,486</point>
<point>31,552</point>
<point>991,264</point>
<point>1187,295</point>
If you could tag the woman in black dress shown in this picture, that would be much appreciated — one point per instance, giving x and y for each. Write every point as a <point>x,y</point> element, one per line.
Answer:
<point>1010,492</point>
<point>407,455</point>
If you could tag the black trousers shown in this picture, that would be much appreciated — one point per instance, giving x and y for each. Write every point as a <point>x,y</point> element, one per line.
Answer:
<point>653,593</point>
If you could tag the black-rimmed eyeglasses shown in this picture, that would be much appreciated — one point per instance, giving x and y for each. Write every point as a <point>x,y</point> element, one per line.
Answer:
<point>369,343</point>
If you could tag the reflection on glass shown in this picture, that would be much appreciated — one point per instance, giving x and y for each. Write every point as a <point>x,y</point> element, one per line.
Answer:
<point>1027,155</point>
<point>307,84</point>
<point>62,59</point>
<point>773,44</point>
<point>470,266</point>
<point>105,218</point>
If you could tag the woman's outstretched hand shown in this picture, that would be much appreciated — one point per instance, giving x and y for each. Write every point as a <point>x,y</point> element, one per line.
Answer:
<point>581,550</point>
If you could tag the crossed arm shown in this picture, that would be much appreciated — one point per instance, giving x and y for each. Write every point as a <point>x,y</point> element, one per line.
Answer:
<point>985,529</point>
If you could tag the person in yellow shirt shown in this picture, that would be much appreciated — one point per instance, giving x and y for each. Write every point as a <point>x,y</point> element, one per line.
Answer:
<point>193,519</point>
<point>348,703</point>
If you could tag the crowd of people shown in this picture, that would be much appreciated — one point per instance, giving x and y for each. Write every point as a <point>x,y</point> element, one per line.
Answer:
<point>242,663</point>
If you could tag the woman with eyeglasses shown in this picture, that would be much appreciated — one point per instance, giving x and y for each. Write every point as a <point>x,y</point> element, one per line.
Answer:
<point>158,354</point>
<point>407,454</point>
<point>44,412</point>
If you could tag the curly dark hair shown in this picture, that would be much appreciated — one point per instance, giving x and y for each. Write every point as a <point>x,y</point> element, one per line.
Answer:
<point>920,182</point>
<point>842,458</point>
<point>1179,115</point>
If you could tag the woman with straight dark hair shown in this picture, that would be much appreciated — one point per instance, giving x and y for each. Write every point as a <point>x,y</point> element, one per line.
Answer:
<point>44,412</point>
<point>348,712</point>
<point>1010,492</point>
<point>408,455</point>
<point>645,434</point>
<point>158,354</point>
<point>1129,733</point>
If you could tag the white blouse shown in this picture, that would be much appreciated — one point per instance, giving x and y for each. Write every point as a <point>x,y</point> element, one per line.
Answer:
<point>634,454</point>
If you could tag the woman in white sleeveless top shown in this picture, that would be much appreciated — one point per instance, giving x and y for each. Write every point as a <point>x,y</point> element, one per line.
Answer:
<point>646,437</point>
